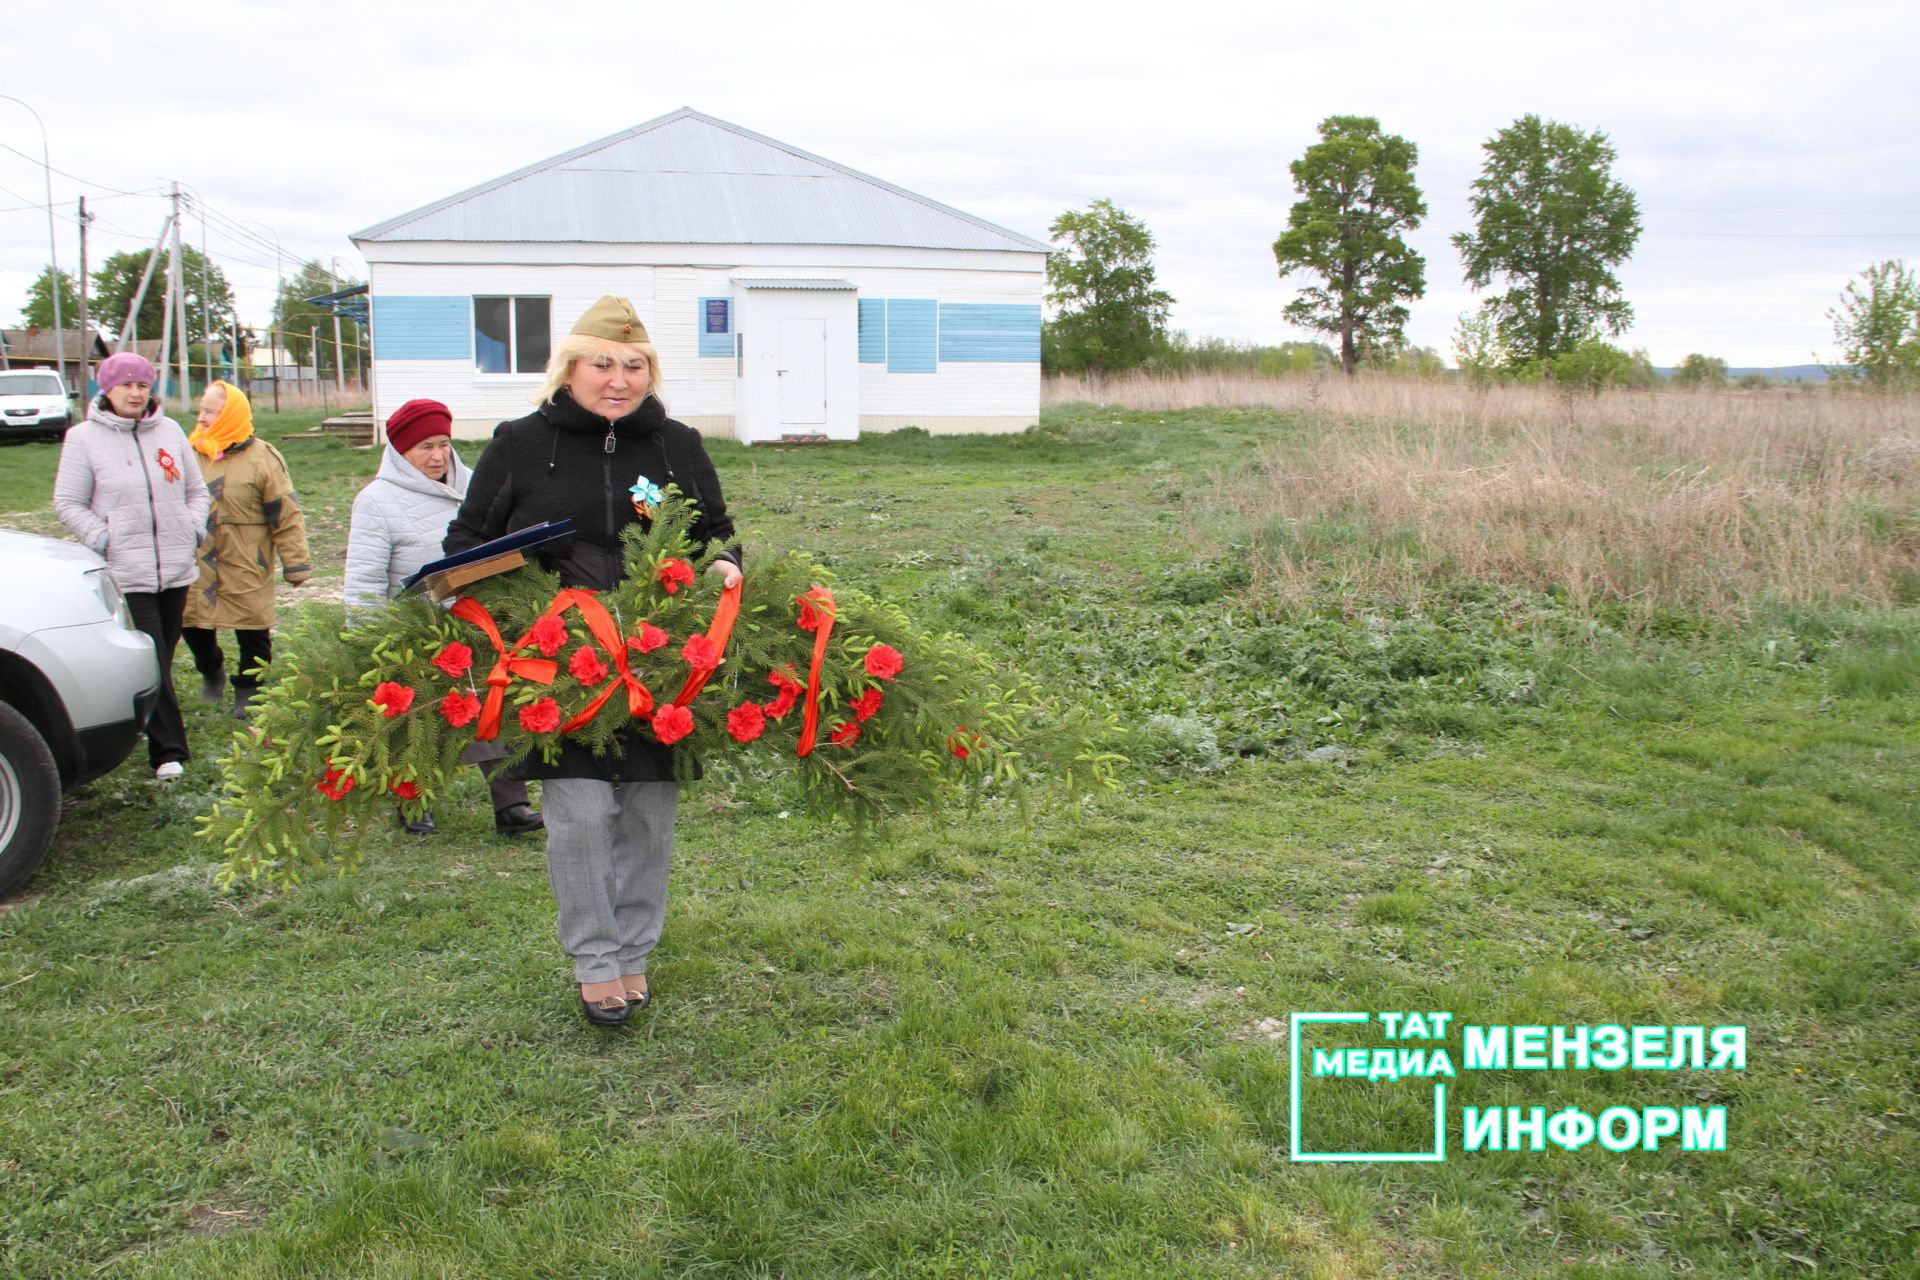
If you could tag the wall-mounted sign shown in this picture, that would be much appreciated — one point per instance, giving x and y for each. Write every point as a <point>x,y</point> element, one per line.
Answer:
<point>719,315</point>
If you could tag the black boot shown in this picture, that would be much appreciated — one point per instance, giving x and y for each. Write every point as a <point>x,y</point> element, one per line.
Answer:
<point>213,685</point>
<point>420,826</point>
<point>242,699</point>
<point>518,820</point>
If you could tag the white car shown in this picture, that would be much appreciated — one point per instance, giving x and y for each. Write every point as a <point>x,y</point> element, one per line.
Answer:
<point>77,682</point>
<point>33,403</point>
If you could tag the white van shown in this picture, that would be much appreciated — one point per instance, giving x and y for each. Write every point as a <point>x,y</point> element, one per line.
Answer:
<point>33,403</point>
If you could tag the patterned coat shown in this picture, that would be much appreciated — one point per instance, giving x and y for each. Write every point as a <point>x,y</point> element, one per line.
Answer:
<point>255,520</point>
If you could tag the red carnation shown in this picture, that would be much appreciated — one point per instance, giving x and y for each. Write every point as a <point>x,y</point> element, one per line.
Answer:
<point>547,635</point>
<point>649,639</point>
<point>790,691</point>
<point>587,667</point>
<point>405,790</point>
<point>958,742</point>
<point>746,722</point>
<point>866,704</point>
<point>674,574</point>
<point>460,708</point>
<point>336,784</point>
<point>455,659</point>
<point>672,723</point>
<point>815,607</point>
<point>392,699</point>
<point>844,734</point>
<point>540,716</point>
<point>883,661</point>
<point>700,653</point>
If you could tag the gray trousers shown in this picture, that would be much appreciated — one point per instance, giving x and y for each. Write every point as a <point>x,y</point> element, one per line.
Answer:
<point>608,849</point>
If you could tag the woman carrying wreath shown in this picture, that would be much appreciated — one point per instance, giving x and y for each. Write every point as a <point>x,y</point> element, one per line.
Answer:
<point>398,522</point>
<point>599,432</point>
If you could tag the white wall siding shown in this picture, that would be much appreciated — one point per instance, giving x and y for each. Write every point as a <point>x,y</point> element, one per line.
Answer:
<point>966,390</point>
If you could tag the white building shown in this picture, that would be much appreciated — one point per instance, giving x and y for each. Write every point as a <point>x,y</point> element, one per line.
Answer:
<point>788,296</point>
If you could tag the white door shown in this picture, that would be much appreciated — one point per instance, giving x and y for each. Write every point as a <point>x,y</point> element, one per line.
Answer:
<point>803,372</point>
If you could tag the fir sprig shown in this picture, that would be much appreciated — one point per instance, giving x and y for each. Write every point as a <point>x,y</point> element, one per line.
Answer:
<point>952,725</point>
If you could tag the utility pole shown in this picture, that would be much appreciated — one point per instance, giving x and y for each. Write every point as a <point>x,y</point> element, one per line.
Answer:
<point>206,305</point>
<point>178,277</point>
<point>278,355</point>
<point>339,364</point>
<point>313,336</point>
<point>86,327</point>
<point>53,252</point>
<point>130,330</point>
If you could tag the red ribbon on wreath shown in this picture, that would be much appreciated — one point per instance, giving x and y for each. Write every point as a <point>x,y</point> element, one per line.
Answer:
<point>817,611</point>
<point>601,624</point>
<point>539,670</point>
<point>719,631</point>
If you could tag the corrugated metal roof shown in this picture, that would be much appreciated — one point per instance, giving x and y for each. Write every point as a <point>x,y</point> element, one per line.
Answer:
<point>687,178</point>
<point>791,282</point>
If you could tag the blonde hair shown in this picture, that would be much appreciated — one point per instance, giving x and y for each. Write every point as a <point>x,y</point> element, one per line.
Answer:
<point>576,347</point>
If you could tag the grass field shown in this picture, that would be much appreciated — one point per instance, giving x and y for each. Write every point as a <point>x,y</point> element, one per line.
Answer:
<point>983,1047</point>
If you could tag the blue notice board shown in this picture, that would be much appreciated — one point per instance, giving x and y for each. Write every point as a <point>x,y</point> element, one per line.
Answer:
<point>715,326</point>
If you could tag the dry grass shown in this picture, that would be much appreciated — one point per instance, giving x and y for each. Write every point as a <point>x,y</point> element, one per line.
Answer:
<point>1708,501</point>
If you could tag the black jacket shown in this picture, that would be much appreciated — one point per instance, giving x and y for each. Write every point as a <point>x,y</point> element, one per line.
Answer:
<point>555,463</point>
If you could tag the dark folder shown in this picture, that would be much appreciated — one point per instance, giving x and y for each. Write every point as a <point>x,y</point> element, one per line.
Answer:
<point>444,577</point>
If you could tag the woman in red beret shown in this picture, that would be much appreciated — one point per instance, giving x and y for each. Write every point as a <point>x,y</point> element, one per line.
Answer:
<point>398,522</point>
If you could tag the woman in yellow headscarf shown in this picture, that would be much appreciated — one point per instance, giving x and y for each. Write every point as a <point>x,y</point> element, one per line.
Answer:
<point>255,519</point>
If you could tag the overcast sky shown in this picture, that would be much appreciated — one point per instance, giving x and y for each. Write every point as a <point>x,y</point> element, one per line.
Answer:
<point>1772,146</point>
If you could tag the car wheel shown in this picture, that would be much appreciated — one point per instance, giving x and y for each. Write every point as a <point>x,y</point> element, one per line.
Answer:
<point>29,800</point>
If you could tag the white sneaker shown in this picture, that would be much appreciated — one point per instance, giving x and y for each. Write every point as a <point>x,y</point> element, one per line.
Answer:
<point>169,771</point>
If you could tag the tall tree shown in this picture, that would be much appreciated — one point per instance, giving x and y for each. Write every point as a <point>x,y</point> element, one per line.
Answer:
<point>297,318</point>
<point>1553,222</point>
<point>1108,314</point>
<point>1701,371</point>
<point>1357,197</point>
<point>38,313</point>
<point>118,278</point>
<point>1877,324</point>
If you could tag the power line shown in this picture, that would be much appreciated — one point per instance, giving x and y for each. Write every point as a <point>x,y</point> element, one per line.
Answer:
<point>85,182</point>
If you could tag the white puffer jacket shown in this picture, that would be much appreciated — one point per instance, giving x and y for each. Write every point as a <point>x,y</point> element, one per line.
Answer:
<point>131,490</point>
<point>398,522</point>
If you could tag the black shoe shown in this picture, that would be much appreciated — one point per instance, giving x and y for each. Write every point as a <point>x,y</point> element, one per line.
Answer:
<point>420,826</point>
<point>213,685</point>
<point>609,1011</point>
<point>242,699</point>
<point>518,820</point>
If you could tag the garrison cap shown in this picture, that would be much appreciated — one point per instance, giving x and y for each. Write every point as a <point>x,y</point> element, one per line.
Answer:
<point>612,318</point>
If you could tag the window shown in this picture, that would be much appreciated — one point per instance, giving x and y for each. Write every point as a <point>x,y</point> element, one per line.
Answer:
<point>512,335</point>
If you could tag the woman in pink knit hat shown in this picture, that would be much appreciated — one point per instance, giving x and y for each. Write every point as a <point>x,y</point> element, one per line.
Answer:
<point>129,488</point>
